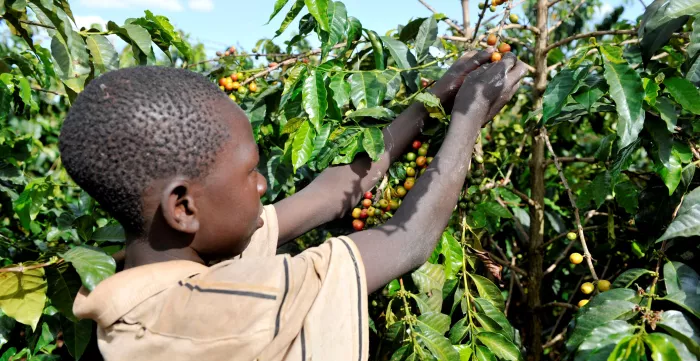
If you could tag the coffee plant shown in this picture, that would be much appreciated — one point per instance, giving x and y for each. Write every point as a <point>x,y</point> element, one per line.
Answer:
<point>593,162</point>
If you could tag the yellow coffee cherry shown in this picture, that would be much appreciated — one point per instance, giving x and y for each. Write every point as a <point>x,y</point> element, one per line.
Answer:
<point>587,288</point>
<point>576,258</point>
<point>603,285</point>
<point>582,303</point>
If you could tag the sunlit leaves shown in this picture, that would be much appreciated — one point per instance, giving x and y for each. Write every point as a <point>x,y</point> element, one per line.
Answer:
<point>427,34</point>
<point>602,340</point>
<point>685,93</point>
<point>291,15</point>
<point>104,56</point>
<point>302,147</point>
<point>366,90</point>
<point>23,295</point>
<point>559,89</point>
<point>373,142</point>
<point>314,98</point>
<point>627,91</point>
<point>499,345</point>
<point>593,316</point>
<point>682,283</point>
<point>319,10</point>
<point>399,52</point>
<point>488,291</point>
<point>92,264</point>
<point>687,221</point>
<point>627,278</point>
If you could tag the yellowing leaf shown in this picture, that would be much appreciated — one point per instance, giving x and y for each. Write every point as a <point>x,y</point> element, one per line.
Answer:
<point>23,295</point>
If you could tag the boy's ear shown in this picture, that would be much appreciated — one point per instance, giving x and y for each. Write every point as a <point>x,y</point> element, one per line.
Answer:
<point>178,207</point>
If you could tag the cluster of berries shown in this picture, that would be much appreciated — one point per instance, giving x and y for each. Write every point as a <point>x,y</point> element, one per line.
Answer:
<point>587,287</point>
<point>231,84</point>
<point>376,210</point>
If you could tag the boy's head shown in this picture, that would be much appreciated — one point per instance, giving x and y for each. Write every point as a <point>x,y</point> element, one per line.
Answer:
<point>165,151</point>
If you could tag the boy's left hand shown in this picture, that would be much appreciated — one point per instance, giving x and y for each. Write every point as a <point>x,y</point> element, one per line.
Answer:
<point>446,88</point>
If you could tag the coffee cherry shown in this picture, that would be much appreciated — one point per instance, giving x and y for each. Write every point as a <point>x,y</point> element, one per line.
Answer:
<point>422,170</point>
<point>370,211</point>
<point>242,90</point>
<point>235,85</point>
<point>587,288</point>
<point>305,60</point>
<point>422,151</point>
<point>411,172</point>
<point>412,164</point>
<point>394,204</point>
<point>492,8</point>
<point>377,212</point>
<point>478,172</point>
<point>513,18</point>
<point>219,54</point>
<point>222,87</point>
<point>582,303</point>
<point>491,39</point>
<point>603,285</point>
<point>364,213</point>
<point>424,83</point>
<point>428,160</point>
<point>420,161</point>
<point>462,205</point>
<point>410,156</point>
<point>254,87</point>
<point>232,49</point>
<point>383,203</point>
<point>479,159</point>
<point>358,225</point>
<point>408,184</point>
<point>477,180</point>
<point>232,97</point>
<point>227,53</point>
<point>234,77</point>
<point>366,203</point>
<point>504,48</point>
<point>576,258</point>
<point>356,212</point>
<point>481,6</point>
<point>368,195</point>
<point>222,81</point>
<point>416,144</point>
<point>229,85</point>
<point>401,191</point>
<point>239,75</point>
<point>496,56</point>
<point>476,198</point>
<point>273,65</point>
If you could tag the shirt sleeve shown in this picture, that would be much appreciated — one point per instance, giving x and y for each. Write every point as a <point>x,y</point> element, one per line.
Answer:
<point>263,243</point>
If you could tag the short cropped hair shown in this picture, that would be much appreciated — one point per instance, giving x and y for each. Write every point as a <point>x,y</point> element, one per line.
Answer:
<point>135,125</point>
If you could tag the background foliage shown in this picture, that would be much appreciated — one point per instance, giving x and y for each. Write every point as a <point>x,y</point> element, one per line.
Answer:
<point>596,154</point>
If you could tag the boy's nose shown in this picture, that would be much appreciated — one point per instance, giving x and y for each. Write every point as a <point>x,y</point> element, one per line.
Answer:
<point>262,185</point>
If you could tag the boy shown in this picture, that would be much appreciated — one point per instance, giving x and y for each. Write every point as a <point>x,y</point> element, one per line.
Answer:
<point>174,160</point>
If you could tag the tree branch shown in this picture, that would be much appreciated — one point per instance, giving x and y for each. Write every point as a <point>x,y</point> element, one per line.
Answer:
<point>447,21</point>
<point>577,217</point>
<point>559,304</point>
<point>34,23</point>
<point>21,269</point>
<point>465,18</point>
<point>588,35</point>
<point>574,160</point>
<point>571,13</point>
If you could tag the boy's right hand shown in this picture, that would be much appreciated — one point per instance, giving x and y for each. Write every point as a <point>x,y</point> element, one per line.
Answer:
<point>487,89</point>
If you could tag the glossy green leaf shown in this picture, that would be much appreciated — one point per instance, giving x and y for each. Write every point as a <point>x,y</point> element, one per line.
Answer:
<point>627,91</point>
<point>459,330</point>
<point>602,340</point>
<point>453,253</point>
<point>319,10</point>
<point>23,295</point>
<point>403,353</point>
<point>678,8</point>
<point>338,22</point>
<point>593,316</point>
<point>626,194</point>
<point>340,89</point>
<point>682,283</point>
<point>487,308</point>
<point>314,98</point>
<point>651,91</point>
<point>427,34</point>
<point>494,209</point>
<point>687,221</point>
<point>392,80</point>
<point>682,328</point>
<point>668,112</point>
<point>438,344</point>
<point>429,277</point>
<point>354,32</point>
<point>488,291</point>
<point>559,89</point>
<point>657,27</point>
<point>291,15</point>
<point>62,289</point>
<point>685,93</point>
<point>439,322</point>
<point>92,264</point>
<point>77,336</point>
<point>627,278</point>
<point>321,139</point>
<point>377,49</point>
<point>631,348</point>
<point>279,4</point>
<point>615,294</point>
<point>374,112</point>
<point>140,36</point>
<point>399,52</point>
<point>661,347</point>
<point>589,96</point>
<point>694,46</point>
<point>484,354</point>
<point>693,74</point>
<point>302,147</point>
<point>110,233</point>
<point>373,142</point>
<point>30,201</point>
<point>500,346</point>
<point>366,91</point>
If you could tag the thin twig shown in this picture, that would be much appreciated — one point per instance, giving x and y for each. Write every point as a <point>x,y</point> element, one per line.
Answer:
<point>47,91</point>
<point>447,21</point>
<point>478,22</point>
<point>494,16</point>
<point>574,160</point>
<point>553,341</point>
<point>577,217</point>
<point>571,13</point>
<point>559,304</point>
<point>20,268</point>
<point>33,23</point>
<point>510,288</point>
<point>245,55</point>
<point>588,35</point>
<point>562,235</point>
<point>694,150</point>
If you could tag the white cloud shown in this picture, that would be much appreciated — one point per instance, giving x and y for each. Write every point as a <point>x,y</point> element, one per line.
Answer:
<point>201,5</point>
<point>172,5</point>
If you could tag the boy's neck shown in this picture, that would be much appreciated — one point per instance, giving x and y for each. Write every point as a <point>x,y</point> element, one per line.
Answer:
<point>140,252</point>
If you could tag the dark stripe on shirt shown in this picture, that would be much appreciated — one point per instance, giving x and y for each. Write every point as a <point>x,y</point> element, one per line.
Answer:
<point>359,295</point>
<point>229,292</point>
<point>284,296</point>
<point>303,345</point>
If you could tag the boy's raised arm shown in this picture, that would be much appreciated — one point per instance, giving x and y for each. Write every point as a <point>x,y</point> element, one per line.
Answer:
<point>407,239</point>
<point>334,192</point>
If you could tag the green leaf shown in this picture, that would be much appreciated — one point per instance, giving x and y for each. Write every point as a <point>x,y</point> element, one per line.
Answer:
<point>103,54</point>
<point>302,147</point>
<point>319,10</point>
<point>31,200</point>
<point>623,159</point>
<point>399,52</point>
<point>6,325</point>
<point>77,336</point>
<point>602,340</point>
<point>459,330</point>
<point>661,347</point>
<point>340,89</point>
<point>589,96</point>
<point>439,322</point>
<point>685,93</point>
<point>631,348</point>
<point>291,15</point>
<point>279,4</point>
<point>657,27</point>
<point>628,277</point>
<point>438,344</point>
<point>392,79</point>
<point>314,98</point>
<point>683,328</point>
<point>627,91</point>
<point>651,91</point>
<point>500,346</point>
<point>453,253</point>
<point>593,316</point>
<point>92,264</point>
<point>139,36</point>
<point>687,221</point>
<point>377,49</point>
<point>366,91</point>
<point>693,74</point>
<point>605,148</point>
<point>559,89</point>
<point>338,21</point>
<point>404,353</point>
<point>615,294</point>
<point>668,113</point>
<point>596,191</point>
<point>110,233</point>
<point>487,308</point>
<point>63,286</point>
<point>694,45</point>
<point>678,8</point>
<point>627,195</point>
<point>484,354</point>
<point>682,284</point>
<point>429,277</point>
<point>321,139</point>
<point>493,209</point>
<point>23,295</point>
<point>373,142</point>
<point>488,291</point>
<point>374,112</point>
<point>427,34</point>
<point>354,32</point>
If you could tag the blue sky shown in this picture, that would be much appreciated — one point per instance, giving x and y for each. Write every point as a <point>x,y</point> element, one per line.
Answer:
<point>219,23</point>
